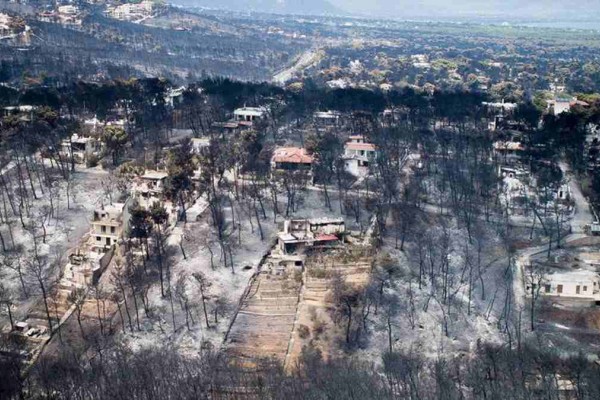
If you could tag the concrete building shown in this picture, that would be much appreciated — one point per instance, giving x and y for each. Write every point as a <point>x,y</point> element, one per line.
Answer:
<point>199,144</point>
<point>503,107</point>
<point>509,152</point>
<point>149,188</point>
<point>5,25</point>
<point>174,96</point>
<point>250,114</point>
<point>327,118</point>
<point>69,15</point>
<point>359,155</point>
<point>579,284</point>
<point>82,148</point>
<point>299,234</point>
<point>24,110</point>
<point>108,224</point>
<point>562,104</point>
<point>392,116</point>
<point>132,11</point>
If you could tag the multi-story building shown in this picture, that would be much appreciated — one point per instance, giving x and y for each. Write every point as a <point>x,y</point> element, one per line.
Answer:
<point>359,155</point>
<point>108,224</point>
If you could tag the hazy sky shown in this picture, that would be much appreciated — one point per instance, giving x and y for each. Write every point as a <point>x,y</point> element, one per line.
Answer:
<point>539,8</point>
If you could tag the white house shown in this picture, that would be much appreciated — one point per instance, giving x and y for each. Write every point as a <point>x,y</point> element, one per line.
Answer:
<point>81,148</point>
<point>358,155</point>
<point>579,284</point>
<point>198,144</point>
<point>5,25</point>
<point>327,118</point>
<point>500,106</point>
<point>250,114</point>
<point>132,11</point>
<point>560,105</point>
<point>509,151</point>
<point>69,15</point>
<point>68,9</point>
<point>174,96</point>
<point>149,187</point>
<point>108,224</point>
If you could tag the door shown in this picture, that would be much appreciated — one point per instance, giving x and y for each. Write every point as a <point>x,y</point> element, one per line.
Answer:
<point>559,289</point>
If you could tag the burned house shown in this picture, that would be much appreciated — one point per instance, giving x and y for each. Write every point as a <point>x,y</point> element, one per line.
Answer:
<point>82,148</point>
<point>85,268</point>
<point>149,187</point>
<point>298,235</point>
<point>327,119</point>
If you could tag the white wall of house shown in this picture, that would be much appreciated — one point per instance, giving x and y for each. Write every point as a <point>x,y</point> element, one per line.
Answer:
<point>573,285</point>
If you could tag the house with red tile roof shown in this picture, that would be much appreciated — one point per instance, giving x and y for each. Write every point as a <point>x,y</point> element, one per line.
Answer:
<point>291,159</point>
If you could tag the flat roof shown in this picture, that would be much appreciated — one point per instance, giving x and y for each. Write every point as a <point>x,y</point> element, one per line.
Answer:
<point>112,209</point>
<point>155,175</point>
<point>572,276</point>
<point>254,111</point>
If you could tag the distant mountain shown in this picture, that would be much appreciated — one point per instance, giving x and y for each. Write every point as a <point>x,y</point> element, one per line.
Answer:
<point>306,7</point>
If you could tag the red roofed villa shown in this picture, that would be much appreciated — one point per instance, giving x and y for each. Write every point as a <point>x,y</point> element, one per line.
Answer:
<point>291,159</point>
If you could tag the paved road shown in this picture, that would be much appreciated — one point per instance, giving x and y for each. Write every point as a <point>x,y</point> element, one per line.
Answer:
<point>583,215</point>
<point>308,58</point>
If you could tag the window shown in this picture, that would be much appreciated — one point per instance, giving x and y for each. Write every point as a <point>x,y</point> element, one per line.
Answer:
<point>585,288</point>
<point>577,289</point>
<point>112,229</point>
<point>98,238</point>
<point>559,289</point>
<point>548,288</point>
<point>103,229</point>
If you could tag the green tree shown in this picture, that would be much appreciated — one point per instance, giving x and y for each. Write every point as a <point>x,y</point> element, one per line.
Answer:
<point>115,139</point>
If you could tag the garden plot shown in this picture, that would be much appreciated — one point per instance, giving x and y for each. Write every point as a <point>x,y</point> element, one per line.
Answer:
<point>315,325</point>
<point>264,323</point>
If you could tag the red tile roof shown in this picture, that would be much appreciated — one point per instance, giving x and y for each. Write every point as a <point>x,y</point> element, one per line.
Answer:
<point>326,238</point>
<point>361,146</point>
<point>294,155</point>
